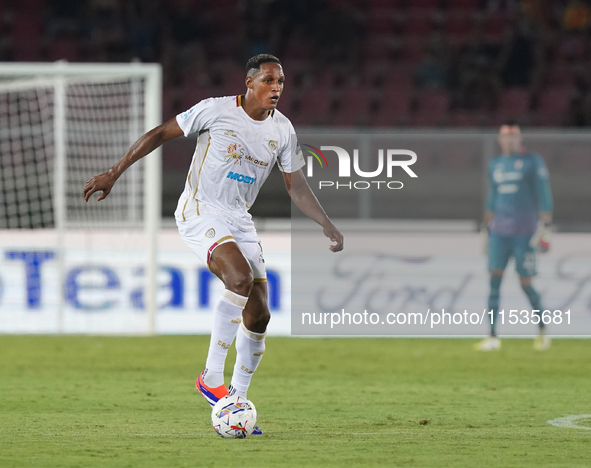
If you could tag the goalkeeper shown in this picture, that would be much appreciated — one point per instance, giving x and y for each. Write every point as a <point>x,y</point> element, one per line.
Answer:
<point>517,217</point>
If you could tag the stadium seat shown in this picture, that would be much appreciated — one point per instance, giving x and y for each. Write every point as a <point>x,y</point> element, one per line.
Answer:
<point>64,48</point>
<point>423,5</point>
<point>464,5</point>
<point>513,103</point>
<point>495,26</point>
<point>315,106</point>
<point>382,48</point>
<point>26,36</point>
<point>234,81</point>
<point>191,94</point>
<point>418,25</point>
<point>413,48</point>
<point>552,106</point>
<point>380,22</point>
<point>298,48</point>
<point>383,4</point>
<point>560,74</point>
<point>458,27</point>
<point>394,106</point>
<point>468,119</point>
<point>432,108</point>
<point>353,109</point>
<point>287,99</point>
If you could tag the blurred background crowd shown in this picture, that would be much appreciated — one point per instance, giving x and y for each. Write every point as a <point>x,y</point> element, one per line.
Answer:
<point>377,63</point>
<point>363,64</point>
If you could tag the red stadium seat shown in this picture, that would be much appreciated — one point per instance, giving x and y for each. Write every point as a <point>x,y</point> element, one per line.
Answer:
<point>383,4</point>
<point>191,94</point>
<point>354,107</point>
<point>234,81</point>
<point>495,26</point>
<point>464,5</point>
<point>432,108</point>
<point>560,74</point>
<point>424,5</point>
<point>514,101</point>
<point>298,48</point>
<point>468,119</point>
<point>414,48</point>
<point>380,22</point>
<point>287,99</point>
<point>418,25</point>
<point>315,106</point>
<point>459,27</point>
<point>394,107</point>
<point>552,106</point>
<point>64,49</point>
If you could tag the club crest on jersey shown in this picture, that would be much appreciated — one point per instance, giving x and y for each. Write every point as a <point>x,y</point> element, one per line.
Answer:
<point>518,164</point>
<point>272,145</point>
<point>234,152</point>
<point>230,132</point>
<point>210,233</point>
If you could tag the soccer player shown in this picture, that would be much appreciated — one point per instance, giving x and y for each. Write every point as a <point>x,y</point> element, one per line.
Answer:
<point>518,211</point>
<point>239,140</point>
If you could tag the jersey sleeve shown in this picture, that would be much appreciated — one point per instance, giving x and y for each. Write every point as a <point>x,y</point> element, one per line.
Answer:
<point>542,183</point>
<point>197,118</point>
<point>290,159</point>
<point>492,191</point>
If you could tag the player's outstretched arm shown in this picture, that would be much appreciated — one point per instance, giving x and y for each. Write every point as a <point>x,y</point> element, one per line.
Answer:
<point>303,197</point>
<point>145,145</point>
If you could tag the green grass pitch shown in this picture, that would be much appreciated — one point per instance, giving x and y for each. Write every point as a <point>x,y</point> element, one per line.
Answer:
<point>130,402</point>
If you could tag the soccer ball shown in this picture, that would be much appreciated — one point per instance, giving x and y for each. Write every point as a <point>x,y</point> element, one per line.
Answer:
<point>234,417</point>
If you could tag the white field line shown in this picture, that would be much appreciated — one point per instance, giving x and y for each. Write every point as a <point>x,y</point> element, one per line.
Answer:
<point>571,421</point>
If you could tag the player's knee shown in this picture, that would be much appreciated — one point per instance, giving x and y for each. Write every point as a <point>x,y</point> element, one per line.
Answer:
<point>258,321</point>
<point>525,282</point>
<point>240,281</point>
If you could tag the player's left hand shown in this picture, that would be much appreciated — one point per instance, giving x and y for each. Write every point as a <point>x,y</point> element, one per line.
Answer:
<point>334,235</point>
<point>541,238</point>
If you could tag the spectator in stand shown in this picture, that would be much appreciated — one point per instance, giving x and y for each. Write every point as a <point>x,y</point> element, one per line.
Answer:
<point>478,82</point>
<point>433,71</point>
<point>522,57</point>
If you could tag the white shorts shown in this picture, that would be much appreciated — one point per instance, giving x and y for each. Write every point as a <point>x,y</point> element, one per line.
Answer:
<point>205,232</point>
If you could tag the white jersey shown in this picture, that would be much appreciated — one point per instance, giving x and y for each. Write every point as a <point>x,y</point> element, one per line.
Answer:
<point>233,158</point>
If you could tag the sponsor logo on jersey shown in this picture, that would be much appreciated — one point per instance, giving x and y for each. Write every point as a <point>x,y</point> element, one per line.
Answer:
<point>241,177</point>
<point>255,161</point>
<point>230,132</point>
<point>210,233</point>
<point>186,115</point>
<point>518,164</point>
<point>235,152</point>
<point>272,145</point>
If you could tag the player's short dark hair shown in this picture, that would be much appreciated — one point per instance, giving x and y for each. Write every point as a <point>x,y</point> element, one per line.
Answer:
<point>511,123</point>
<point>256,61</point>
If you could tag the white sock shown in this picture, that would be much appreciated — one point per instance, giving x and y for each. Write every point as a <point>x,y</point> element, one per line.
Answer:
<point>227,316</point>
<point>250,347</point>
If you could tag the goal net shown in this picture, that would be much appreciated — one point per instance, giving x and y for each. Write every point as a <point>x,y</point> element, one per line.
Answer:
<point>63,261</point>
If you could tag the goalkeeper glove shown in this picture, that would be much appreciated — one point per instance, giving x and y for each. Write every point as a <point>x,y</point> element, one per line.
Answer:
<point>541,238</point>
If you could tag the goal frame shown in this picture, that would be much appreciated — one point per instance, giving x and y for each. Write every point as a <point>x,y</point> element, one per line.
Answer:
<point>152,73</point>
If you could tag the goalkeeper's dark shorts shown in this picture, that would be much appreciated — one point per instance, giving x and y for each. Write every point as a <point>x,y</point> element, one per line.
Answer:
<point>502,248</point>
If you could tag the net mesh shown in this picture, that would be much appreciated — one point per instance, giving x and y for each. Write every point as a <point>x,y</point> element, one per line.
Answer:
<point>102,119</point>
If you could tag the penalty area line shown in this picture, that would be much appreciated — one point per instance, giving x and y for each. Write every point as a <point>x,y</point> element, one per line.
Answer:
<point>571,421</point>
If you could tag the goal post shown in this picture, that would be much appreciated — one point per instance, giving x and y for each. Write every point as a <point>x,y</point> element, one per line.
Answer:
<point>60,124</point>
